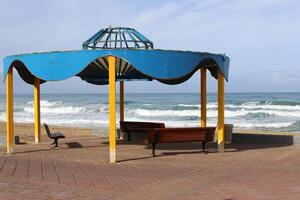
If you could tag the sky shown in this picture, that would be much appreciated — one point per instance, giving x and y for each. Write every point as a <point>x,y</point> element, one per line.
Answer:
<point>262,38</point>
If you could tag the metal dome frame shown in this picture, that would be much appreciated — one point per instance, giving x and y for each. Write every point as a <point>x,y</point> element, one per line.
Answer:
<point>118,38</point>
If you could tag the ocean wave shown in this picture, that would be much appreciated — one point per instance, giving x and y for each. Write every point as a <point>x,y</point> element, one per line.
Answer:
<point>190,105</point>
<point>280,113</point>
<point>259,115</point>
<point>263,125</point>
<point>290,103</point>
<point>82,122</point>
<point>182,113</point>
<point>265,106</point>
<point>58,107</point>
<point>94,122</point>
<point>186,114</point>
<point>44,103</point>
<point>214,113</point>
<point>247,105</point>
<point>57,110</point>
<point>198,106</point>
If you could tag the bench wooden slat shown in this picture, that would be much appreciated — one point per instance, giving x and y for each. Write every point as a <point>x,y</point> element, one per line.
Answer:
<point>129,127</point>
<point>178,137</point>
<point>173,135</point>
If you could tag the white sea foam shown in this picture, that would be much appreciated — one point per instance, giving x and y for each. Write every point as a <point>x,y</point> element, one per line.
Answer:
<point>248,105</point>
<point>263,125</point>
<point>209,105</point>
<point>58,107</point>
<point>189,105</point>
<point>280,113</point>
<point>214,113</point>
<point>57,110</point>
<point>265,106</point>
<point>82,122</point>
<point>181,113</point>
<point>44,103</point>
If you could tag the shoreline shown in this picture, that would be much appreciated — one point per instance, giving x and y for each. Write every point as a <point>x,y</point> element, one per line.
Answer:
<point>105,93</point>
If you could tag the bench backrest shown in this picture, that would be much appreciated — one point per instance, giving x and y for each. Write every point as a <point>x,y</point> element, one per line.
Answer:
<point>125,126</point>
<point>47,130</point>
<point>165,135</point>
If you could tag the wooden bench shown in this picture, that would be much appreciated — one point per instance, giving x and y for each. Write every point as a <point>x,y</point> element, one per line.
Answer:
<point>55,136</point>
<point>129,127</point>
<point>172,135</point>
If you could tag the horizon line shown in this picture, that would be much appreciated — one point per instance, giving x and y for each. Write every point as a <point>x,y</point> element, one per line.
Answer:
<point>159,93</point>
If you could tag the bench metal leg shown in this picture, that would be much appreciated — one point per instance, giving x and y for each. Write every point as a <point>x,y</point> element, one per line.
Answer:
<point>128,136</point>
<point>56,142</point>
<point>153,149</point>
<point>203,148</point>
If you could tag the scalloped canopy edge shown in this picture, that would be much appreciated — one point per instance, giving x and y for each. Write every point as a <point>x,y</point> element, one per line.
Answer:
<point>166,66</point>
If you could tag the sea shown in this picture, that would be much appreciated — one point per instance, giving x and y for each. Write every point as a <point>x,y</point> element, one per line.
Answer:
<point>263,111</point>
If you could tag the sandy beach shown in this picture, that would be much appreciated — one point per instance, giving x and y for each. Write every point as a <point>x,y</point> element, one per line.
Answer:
<point>26,131</point>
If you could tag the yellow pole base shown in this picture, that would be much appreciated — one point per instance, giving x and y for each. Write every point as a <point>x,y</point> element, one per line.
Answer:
<point>112,156</point>
<point>9,149</point>
<point>221,147</point>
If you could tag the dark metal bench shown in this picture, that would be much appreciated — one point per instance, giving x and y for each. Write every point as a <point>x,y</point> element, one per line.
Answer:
<point>55,136</point>
<point>172,135</point>
<point>129,127</point>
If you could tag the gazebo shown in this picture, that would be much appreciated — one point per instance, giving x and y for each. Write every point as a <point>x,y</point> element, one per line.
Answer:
<point>114,55</point>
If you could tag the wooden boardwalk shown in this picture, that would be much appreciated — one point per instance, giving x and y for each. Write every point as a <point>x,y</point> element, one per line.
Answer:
<point>79,169</point>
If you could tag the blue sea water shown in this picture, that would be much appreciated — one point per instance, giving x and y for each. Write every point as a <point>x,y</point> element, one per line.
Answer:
<point>265,111</point>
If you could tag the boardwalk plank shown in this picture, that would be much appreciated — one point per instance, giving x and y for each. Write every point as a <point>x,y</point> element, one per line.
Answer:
<point>21,171</point>
<point>63,171</point>
<point>2,161</point>
<point>99,180</point>
<point>77,171</point>
<point>49,170</point>
<point>35,166</point>
<point>9,167</point>
<point>117,181</point>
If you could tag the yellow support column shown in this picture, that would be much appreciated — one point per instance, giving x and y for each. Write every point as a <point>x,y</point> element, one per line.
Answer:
<point>37,115</point>
<point>203,97</point>
<point>9,112</point>
<point>220,111</point>
<point>121,100</point>
<point>112,108</point>
<point>121,106</point>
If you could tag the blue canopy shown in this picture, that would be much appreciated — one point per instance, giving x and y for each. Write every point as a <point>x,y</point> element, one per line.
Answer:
<point>166,66</point>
